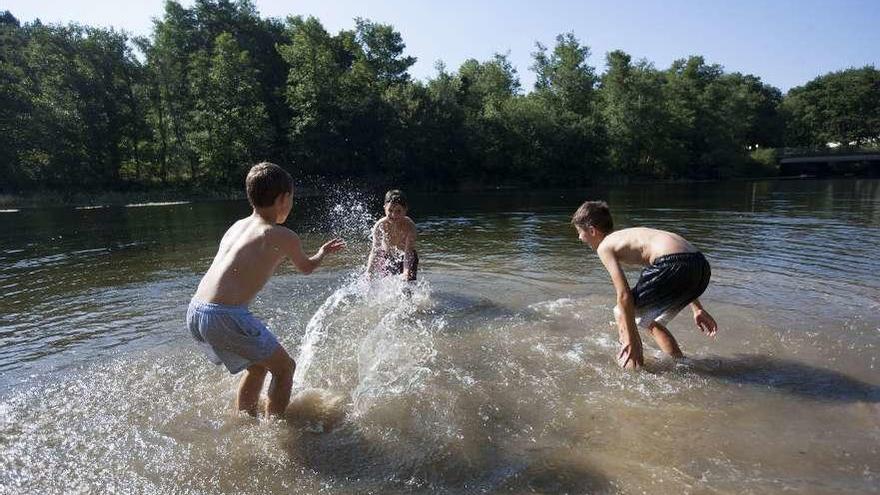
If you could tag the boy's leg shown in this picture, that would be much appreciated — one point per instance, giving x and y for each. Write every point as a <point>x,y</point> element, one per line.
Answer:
<point>282,366</point>
<point>665,341</point>
<point>249,389</point>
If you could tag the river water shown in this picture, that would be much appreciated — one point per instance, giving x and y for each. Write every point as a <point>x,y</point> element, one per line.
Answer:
<point>497,375</point>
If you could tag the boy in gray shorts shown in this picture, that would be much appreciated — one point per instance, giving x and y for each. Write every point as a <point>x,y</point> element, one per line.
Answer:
<point>676,275</point>
<point>250,251</point>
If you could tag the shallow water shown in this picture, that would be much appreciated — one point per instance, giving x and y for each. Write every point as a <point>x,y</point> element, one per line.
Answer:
<point>496,375</point>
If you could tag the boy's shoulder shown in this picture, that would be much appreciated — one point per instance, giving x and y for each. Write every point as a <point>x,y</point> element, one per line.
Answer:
<point>633,230</point>
<point>624,239</point>
<point>269,233</point>
<point>636,233</point>
<point>281,232</point>
<point>645,240</point>
<point>620,235</point>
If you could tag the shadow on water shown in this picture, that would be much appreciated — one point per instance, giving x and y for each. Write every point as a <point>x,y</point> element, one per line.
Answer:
<point>382,453</point>
<point>555,471</point>
<point>351,457</point>
<point>467,312</point>
<point>786,376</point>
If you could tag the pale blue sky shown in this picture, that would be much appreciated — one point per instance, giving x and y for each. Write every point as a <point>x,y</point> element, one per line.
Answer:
<point>785,42</point>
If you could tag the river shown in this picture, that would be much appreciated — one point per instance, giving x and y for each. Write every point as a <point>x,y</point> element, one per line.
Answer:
<point>497,375</point>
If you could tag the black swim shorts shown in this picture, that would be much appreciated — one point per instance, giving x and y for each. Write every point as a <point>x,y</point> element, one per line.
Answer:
<point>393,263</point>
<point>669,284</point>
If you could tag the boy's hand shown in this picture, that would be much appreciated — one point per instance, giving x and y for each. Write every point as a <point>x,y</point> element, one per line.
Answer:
<point>630,356</point>
<point>333,246</point>
<point>705,322</point>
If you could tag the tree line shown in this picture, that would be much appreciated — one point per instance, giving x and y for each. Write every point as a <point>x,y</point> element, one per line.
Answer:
<point>216,87</point>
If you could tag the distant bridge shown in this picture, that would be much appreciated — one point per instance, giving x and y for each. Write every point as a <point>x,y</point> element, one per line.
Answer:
<point>832,161</point>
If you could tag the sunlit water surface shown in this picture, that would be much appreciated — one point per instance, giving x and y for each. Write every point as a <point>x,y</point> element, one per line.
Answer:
<point>496,375</point>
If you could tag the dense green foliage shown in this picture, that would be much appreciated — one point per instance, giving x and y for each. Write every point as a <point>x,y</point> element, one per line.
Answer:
<point>216,88</point>
<point>840,107</point>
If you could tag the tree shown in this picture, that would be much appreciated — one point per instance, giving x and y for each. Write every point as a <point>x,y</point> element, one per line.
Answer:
<point>218,87</point>
<point>486,85</point>
<point>230,126</point>
<point>635,116</point>
<point>483,89</point>
<point>840,107</point>
<point>174,40</point>
<point>569,137</point>
<point>564,75</point>
<point>259,38</point>
<point>315,93</point>
<point>382,52</point>
<point>15,103</point>
<point>72,120</point>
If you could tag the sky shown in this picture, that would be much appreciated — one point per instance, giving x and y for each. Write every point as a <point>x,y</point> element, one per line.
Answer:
<point>784,42</point>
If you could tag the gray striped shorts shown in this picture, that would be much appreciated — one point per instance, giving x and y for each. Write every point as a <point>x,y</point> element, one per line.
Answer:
<point>229,335</point>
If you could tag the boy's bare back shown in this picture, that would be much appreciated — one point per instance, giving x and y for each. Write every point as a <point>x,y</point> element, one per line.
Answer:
<point>249,253</point>
<point>642,245</point>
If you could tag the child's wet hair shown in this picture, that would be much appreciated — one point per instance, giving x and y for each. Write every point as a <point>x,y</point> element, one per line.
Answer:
<point>593,214</point>
<point>396,197</point>
<point>265,182</point>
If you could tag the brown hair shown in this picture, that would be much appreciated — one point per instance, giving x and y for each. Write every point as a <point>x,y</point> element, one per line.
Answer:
<point>594,214</point>
<point>396,197</point>
<point>265,182</point>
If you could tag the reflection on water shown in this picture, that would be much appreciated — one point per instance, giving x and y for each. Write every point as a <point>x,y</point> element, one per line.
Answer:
<point>495,375</point>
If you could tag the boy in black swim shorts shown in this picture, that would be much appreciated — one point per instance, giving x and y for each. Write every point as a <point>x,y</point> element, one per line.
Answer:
<point>394,241</point>
<point>676,275</point>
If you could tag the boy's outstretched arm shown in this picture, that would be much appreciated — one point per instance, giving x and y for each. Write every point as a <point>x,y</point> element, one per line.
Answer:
<point>409,249</point>
<point>371,259</point>
<point>630,355</point>
<point>292,247</point>
<point>703,319</point>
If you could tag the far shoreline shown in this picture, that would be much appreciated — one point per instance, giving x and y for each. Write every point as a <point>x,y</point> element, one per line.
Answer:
<point>96,199</point>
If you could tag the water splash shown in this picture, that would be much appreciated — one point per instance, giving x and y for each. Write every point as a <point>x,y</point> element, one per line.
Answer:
<point>370,339</point>
<point>351,217</point>
<point>315,410</point>
<point>396,356</point>
<point>317,335</point>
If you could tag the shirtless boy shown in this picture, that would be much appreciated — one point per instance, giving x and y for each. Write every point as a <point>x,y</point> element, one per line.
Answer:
<point>676,275</point>
<point>218,317</point>
<point>394,241</point>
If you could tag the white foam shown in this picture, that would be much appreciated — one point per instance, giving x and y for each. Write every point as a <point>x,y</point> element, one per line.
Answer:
<point>564,306</point>
<point>159,203</point>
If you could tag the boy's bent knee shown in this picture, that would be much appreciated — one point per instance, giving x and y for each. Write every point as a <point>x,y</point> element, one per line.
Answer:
<point>280,363</point>
<point>289,367</point>
<point>256,370</point>
<point>657,327</point>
